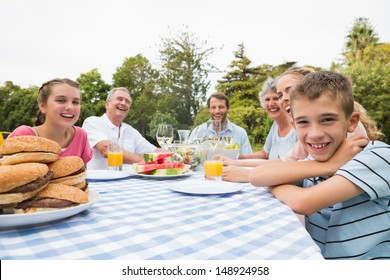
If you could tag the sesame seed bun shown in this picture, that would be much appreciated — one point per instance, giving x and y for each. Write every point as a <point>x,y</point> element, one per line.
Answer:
<point>82,186</point>
<point>12,176</point>
<point>65,166</point>
<point>20,149</point>
<point>19,144</point>
<point>53,197</point>
<point>22,181</point>
<point>68,170</point>
<point>40,157</point>
<point>64,192</point>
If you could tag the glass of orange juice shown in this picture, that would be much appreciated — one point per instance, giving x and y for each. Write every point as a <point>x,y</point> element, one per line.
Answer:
<point>214,160</point>
<point>213,169</point>
<point>115,154</point>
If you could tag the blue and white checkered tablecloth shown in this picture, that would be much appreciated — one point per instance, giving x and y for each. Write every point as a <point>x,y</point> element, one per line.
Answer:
<point>140,218</point>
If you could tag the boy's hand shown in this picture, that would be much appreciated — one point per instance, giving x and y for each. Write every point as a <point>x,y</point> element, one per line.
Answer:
<point>228,161</point>
<point>349,148</point>
<point>235,174</point>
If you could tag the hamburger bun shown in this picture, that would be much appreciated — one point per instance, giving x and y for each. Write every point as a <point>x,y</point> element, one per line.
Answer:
<point>82,186</point>
<point>68,170</point>
<point>20,149</point>
<point>22,181</point>
<point>53,197</point>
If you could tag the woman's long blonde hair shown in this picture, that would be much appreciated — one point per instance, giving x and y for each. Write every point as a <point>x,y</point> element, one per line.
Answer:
<point>369,124</point>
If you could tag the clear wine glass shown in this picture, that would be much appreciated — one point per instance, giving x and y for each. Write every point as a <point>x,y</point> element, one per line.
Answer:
<point>199,135</point>
<point>209,130</point>
<point>183,135</point>
<point>214,129</point>
<point>164,134</point>
<point>229,139</point>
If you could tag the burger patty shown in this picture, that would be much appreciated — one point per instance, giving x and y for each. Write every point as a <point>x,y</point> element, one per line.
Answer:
<point>7,208</point>
<point>32,186</point>
<point>85,186</point>
<point>81,170</point>
<point>45,203</point>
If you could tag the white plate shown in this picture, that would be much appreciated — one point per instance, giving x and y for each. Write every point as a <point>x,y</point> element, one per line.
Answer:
<point>200,186</point>
<point>188,173</point>
<point>106,175</point>
<point>21,220</point>
<point>252,159</point>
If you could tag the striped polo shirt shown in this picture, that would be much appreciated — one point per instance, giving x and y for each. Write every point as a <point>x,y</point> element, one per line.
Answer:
<point>358,228</point>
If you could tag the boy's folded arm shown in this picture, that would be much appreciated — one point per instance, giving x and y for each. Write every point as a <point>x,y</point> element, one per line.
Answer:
<point>307,201</point>
<point>280,172</point>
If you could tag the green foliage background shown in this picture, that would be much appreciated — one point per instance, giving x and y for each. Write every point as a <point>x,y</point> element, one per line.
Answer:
<point>174,90</point>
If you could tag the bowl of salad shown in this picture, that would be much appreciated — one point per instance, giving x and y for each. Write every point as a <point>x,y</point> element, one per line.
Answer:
<point>192,154</point>
<point>232,151</point>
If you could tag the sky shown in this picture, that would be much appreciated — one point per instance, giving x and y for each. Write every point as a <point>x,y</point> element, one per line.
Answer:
<point>45,39</point>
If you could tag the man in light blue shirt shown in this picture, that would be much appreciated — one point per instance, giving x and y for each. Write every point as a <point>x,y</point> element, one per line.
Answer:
<point>218,104</point>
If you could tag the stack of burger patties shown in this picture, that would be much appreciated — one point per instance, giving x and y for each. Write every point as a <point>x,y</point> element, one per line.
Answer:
<point>25,176</point>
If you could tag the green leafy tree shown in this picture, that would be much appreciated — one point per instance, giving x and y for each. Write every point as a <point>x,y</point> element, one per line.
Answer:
<point>6,92</point>
<point>379,53</point>
<point>242,85</point>
<point>360,36</point>
<point>367,63</point>
<point>19,108</point>
<point>184,76</point>
<point>139,77</point>
<point>371,87</point>
<point>93,94</point>
<point>202,116</point>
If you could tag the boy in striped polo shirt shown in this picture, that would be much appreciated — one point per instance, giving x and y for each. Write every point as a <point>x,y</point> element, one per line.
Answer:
<point>346,199</point>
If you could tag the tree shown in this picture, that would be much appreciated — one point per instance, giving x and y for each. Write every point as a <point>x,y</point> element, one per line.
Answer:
<point>6,92</point>
<point>19,107</point>
<point>379,53</point>
<point>242,85</point>
<point>139,77</point>
<point>93,94</point>
<point>371,89</point>
<point>368,65</point>
<point>184,76</point>
<point>360,36</point>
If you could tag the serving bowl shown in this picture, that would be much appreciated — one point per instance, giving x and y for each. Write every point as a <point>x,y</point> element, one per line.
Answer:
<point>231,153</point>
<point>192,154</point>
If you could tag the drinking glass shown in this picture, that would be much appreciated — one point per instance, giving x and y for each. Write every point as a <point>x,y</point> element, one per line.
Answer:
<point>214,159</point>
<point>115,154</point>
<point>211,129</point>
<point>228,138</point>
<point>164,134</point>
<point>183,135</point>
<point>198,135</point>
<point>214,129</point>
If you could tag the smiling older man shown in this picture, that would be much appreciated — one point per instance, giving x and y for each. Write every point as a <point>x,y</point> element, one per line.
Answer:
<point>110,124</point>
